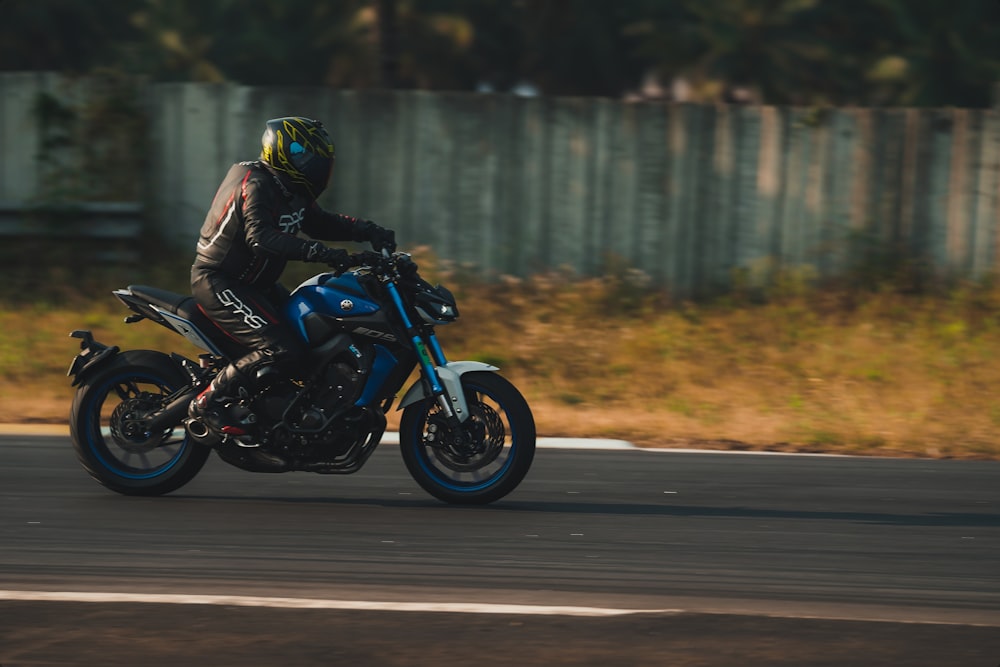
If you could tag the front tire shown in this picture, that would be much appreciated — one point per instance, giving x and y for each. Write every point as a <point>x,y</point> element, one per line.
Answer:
<point>483,460</point>
<point>107,433</point>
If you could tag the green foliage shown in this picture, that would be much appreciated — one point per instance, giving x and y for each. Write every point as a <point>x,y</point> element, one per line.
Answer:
<point>93,146</point>
<point>807,52</point>
<point>62,35</point>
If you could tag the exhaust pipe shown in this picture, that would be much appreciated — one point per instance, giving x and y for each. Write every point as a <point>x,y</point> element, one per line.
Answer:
<point>199,430</point>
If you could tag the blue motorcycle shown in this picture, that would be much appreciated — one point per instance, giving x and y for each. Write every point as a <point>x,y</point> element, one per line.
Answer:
<point>466,434</point>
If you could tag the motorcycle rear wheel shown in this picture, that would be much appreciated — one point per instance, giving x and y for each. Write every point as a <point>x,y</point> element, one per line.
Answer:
<point>106,427</point>
<point>483,460</point>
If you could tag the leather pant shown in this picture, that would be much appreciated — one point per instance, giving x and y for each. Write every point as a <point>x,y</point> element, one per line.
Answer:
<point>252,317</point>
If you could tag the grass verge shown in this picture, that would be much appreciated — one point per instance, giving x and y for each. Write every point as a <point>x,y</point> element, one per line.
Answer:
<point>838,370</point>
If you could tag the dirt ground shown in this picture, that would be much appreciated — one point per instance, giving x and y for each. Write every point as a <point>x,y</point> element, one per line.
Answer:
<point>152,635</point>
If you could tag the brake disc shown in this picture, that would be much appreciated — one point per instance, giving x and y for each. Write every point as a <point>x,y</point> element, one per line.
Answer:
<point>470,446</point>
<point>130,424</point>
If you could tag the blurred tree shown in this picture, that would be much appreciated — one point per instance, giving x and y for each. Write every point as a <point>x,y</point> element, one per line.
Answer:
<point>938,53</point>
<point>432,46</point>
<point>779,51</point>
<point>579,47</point>
<point>60,35</point>
<point>888,52</point>
<point>176,36</point>
<point>388,40</point>
<point>263,42</point>
<point>559,47</point>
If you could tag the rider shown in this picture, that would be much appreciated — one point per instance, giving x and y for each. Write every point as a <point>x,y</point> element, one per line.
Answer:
<point>249,235</point>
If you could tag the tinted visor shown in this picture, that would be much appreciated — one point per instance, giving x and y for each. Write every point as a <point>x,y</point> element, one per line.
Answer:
<point>315,168</point>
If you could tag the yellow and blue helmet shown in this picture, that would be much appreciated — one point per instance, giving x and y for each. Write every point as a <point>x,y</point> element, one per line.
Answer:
<point>301,149</point>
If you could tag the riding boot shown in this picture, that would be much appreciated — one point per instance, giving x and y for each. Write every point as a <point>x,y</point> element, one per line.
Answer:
<point>222,404</point>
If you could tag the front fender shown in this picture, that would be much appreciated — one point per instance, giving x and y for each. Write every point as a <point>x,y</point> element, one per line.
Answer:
<point>92,356</point>
<point>451,379</point>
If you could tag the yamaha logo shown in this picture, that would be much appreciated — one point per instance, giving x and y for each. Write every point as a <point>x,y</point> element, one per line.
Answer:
<point>346,305</point>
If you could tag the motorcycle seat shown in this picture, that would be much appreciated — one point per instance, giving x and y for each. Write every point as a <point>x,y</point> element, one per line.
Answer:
<point>165,299</point>
<point>185,307</point>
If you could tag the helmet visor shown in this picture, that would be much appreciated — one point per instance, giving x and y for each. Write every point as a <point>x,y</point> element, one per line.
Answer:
<point>315,168</point>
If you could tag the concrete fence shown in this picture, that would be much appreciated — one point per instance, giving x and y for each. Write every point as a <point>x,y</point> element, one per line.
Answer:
<point>689,194</point>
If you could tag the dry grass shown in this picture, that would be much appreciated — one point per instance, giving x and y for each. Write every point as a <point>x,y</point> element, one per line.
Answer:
<point>883,373</point>
<point>833,371</point>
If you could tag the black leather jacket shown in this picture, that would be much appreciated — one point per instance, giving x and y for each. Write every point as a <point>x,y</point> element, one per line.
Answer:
<point>251,229</point>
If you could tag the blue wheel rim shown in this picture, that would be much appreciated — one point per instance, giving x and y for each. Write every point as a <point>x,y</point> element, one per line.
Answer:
<point>436,474</point>
<point>97,441</point>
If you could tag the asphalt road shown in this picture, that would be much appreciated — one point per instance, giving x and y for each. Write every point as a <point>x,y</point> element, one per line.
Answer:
<point>724,558</point>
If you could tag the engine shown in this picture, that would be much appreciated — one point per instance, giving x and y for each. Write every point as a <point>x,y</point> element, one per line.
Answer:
<point>312,420</point>
<point>339,387</point>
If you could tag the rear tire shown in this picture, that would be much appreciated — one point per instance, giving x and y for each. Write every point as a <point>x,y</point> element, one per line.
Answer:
<point>106,431</point>
<point>484,460</point>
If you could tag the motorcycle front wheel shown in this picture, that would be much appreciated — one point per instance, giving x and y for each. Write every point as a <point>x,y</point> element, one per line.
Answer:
<point>107,427</point>
<point>482,459</point>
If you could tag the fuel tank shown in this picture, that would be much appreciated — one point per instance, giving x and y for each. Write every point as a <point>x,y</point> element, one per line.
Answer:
<point>327,304</point>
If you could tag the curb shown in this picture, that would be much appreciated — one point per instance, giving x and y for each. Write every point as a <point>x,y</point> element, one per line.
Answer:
<point>390,438</point>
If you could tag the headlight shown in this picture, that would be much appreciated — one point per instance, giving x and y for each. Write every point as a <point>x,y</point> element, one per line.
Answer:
<point>435,307</point>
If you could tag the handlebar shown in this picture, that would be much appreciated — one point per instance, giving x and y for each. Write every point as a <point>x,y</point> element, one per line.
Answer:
<point>382,262</point>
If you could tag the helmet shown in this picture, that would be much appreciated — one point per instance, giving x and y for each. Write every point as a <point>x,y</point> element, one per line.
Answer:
<point>299,149</point>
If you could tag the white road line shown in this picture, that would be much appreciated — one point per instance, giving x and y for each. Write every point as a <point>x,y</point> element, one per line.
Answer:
<point>459,607</point>
<point>310,603</point>
<point>390,438</point>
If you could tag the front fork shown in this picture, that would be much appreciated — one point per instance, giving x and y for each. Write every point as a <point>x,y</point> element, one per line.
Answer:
<point>444,383</point>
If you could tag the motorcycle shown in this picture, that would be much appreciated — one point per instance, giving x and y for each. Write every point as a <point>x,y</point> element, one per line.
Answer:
<point>466,434</point>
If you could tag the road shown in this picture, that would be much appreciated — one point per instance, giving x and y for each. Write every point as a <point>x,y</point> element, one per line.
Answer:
<point>720,558</point>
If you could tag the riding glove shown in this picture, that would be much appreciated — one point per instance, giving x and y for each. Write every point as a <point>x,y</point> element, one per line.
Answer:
<point>379,237</point>
<point>337,258</point>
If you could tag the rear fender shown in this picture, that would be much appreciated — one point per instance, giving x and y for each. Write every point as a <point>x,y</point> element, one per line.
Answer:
<point>451,379</point>
<point>138,306</point>
<point>93,355</point>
